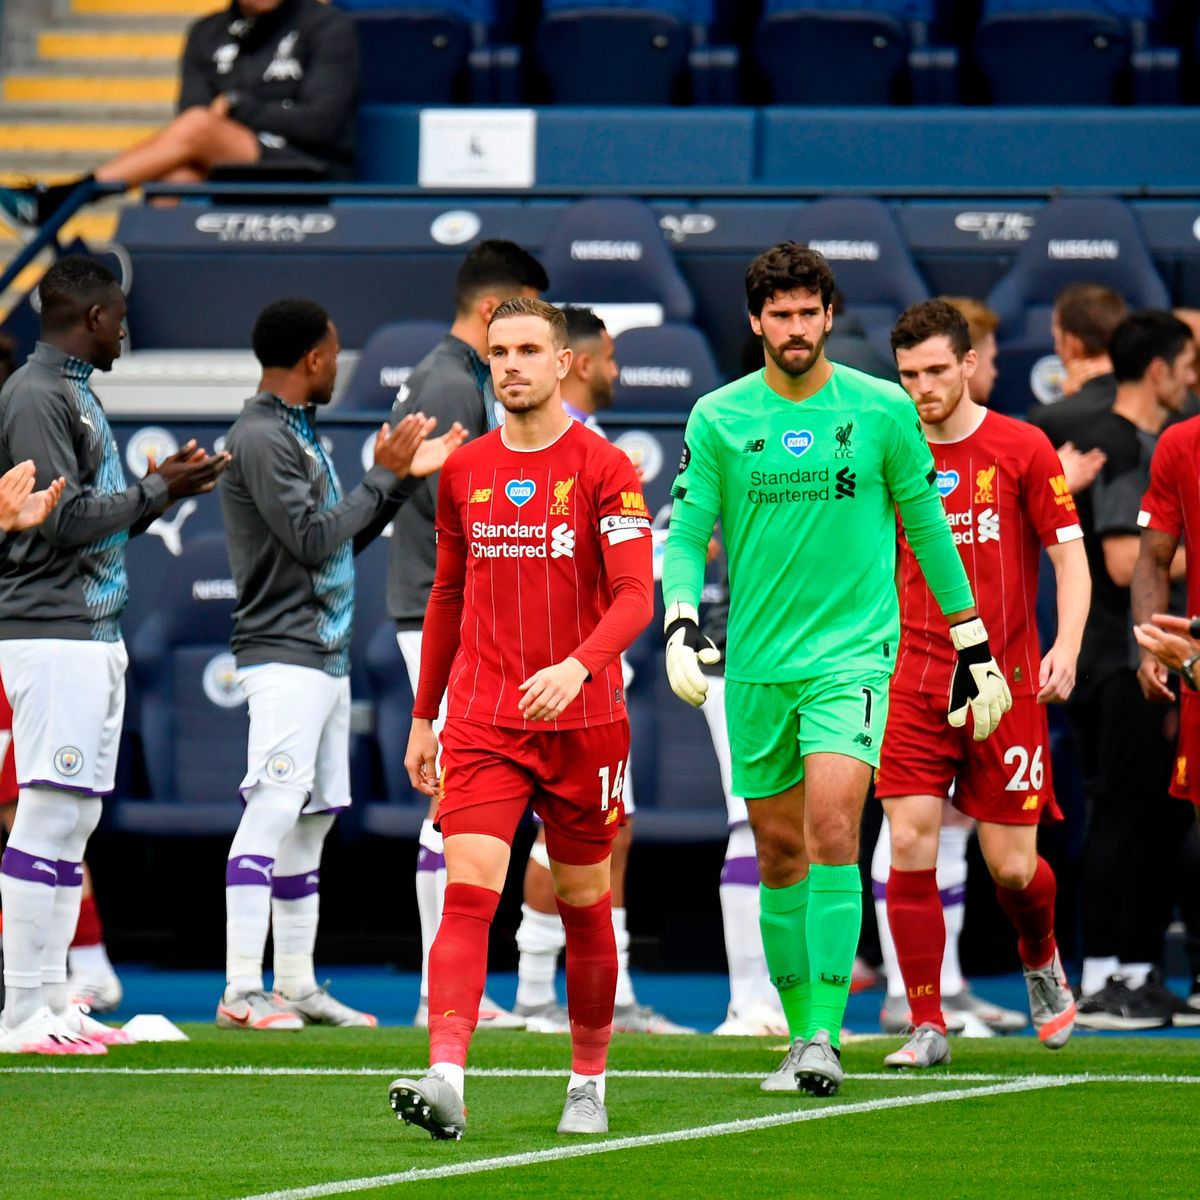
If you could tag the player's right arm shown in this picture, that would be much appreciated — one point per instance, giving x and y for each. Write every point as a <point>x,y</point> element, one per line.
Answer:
<point>1161,520</point>
<point>977,683</point>
<point>38,427</point>
<point>279,487</point>
<point>440,637</point>
<point>696,495</point>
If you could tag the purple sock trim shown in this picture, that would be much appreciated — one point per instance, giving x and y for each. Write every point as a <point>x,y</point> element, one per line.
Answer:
<point>879,889</point>
<point>740,871</point>
<point>427,860</point>
<point>70,874</point>
<point>296,887</point>
<point>29,867</point>
<point>249,870</point>
<point>953,895</point>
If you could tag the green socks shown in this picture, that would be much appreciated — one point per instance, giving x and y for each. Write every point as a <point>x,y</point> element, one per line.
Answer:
<point>782,914</point>
<point>833,925</point>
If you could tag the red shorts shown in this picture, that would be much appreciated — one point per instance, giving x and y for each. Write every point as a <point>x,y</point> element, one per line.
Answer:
<point>1185,779</point>
<point>8,771</point>
<point>1004,780</point>
<point>572,777</point>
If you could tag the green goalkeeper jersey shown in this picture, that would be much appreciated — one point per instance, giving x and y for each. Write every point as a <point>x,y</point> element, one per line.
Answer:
<point>806,493</point>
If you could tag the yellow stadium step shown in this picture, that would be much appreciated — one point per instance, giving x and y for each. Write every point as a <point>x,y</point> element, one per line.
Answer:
<point>145,8</point>
<point>90,45</point>
<point>36,137</point>
<point>90,89</point>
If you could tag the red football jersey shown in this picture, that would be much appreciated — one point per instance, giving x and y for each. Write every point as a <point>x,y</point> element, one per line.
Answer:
<point>1172,502</point>
<point>536,538</point>
<point>1005,497</point>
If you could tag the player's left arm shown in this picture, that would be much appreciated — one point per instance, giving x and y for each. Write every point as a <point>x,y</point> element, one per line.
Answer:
<point>626,546</point>
<point>977,684</point>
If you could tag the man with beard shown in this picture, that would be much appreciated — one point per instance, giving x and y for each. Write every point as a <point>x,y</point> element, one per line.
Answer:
<point>292,538</point>
<point>1006,499</point>
<point>804,464</point>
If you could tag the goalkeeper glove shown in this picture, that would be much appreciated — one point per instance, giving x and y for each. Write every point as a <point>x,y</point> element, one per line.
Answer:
<point>687,648</point>
<point>977,682</point>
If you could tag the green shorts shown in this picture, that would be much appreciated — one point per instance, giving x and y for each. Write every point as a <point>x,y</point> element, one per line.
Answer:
<point>772,726</point>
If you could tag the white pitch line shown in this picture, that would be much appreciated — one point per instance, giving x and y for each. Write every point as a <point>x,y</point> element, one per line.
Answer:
<point>557,1154</point>
<point>550,1073</point>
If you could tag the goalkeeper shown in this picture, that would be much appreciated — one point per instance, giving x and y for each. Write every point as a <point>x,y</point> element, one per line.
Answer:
<point>804,464</point>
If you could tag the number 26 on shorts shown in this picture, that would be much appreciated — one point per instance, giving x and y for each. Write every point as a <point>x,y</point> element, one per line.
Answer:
<point>612,783</point>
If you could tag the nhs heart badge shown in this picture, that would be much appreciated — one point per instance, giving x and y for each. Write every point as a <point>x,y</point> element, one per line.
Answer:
<point>520,491</point>
<point>797,442</point>
<point>947,481</point>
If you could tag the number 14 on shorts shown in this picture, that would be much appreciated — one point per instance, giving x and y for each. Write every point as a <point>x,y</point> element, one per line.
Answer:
<point>612,784</point>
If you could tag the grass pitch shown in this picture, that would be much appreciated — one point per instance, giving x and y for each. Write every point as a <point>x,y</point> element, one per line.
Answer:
<point>234,1114</point>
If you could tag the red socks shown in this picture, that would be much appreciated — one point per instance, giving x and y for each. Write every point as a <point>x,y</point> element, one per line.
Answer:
<point>919,931</point>
<point>591,981</point>
<point>458,970</point>
<point>88,932</point>
<point>1031,910</point>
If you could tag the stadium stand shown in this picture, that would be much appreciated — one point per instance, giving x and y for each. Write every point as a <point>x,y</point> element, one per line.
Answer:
<point>387,360</point>
<point>664,369</point>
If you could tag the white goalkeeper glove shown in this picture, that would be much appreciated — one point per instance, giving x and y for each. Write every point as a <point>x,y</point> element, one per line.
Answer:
<point>687,648</point>
<point>977,682</point>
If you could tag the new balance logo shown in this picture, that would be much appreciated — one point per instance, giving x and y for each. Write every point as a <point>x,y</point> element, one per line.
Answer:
<point>1030,804</point>
<point>754,446</point>
<point>171,531</point>
<point>864,740</point>
<point>847,482</point>
<point>248,864</point>
<point>989,526</point>
<point>562,541</point>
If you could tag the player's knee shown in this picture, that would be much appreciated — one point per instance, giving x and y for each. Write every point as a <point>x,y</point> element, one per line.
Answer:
<point>913,848</point>
<point>833,838</point>
<point>1013,871</point>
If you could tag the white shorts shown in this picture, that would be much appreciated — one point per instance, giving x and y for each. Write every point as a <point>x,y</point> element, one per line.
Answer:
<point>713,709</point>
<point>299,733</point>
<point>409,641</point>
<point>68,701</point>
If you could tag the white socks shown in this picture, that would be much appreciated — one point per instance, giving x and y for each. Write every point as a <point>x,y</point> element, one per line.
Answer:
<point>453,1074</point>
<point>624,994</point>
<point>40,887</point>
<point>579,1080</point>
<point>749,980</point>
<point>540,939</point>
<point>296,904</point>
<point>270,814</point>
<point>431,892</point>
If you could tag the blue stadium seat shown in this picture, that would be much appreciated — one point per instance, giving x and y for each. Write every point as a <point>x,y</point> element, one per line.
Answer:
<point>1072,241</point>
<point>614,252</point>
<point>855,52</point>
<point>386,362</point>
<point>664,369</point>
<point>874,271</point>
<point>614,53</point>
<point>192,717</point>
<point>403,809</point>
<point>1075,241</point>
<point>1068,54</point>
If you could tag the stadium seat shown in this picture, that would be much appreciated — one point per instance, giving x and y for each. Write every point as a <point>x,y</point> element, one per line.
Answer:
<point>1065,54</point>
<point>385,363</point>
<point>1075,241</point>
<point>663,369</point>
<point>875,272</point>
<point>393,699</point>
<point>613,252</point>
<point>192,716</point>
<point>855,52</point>
<point>588,54</point>
<point>1072,241</point>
